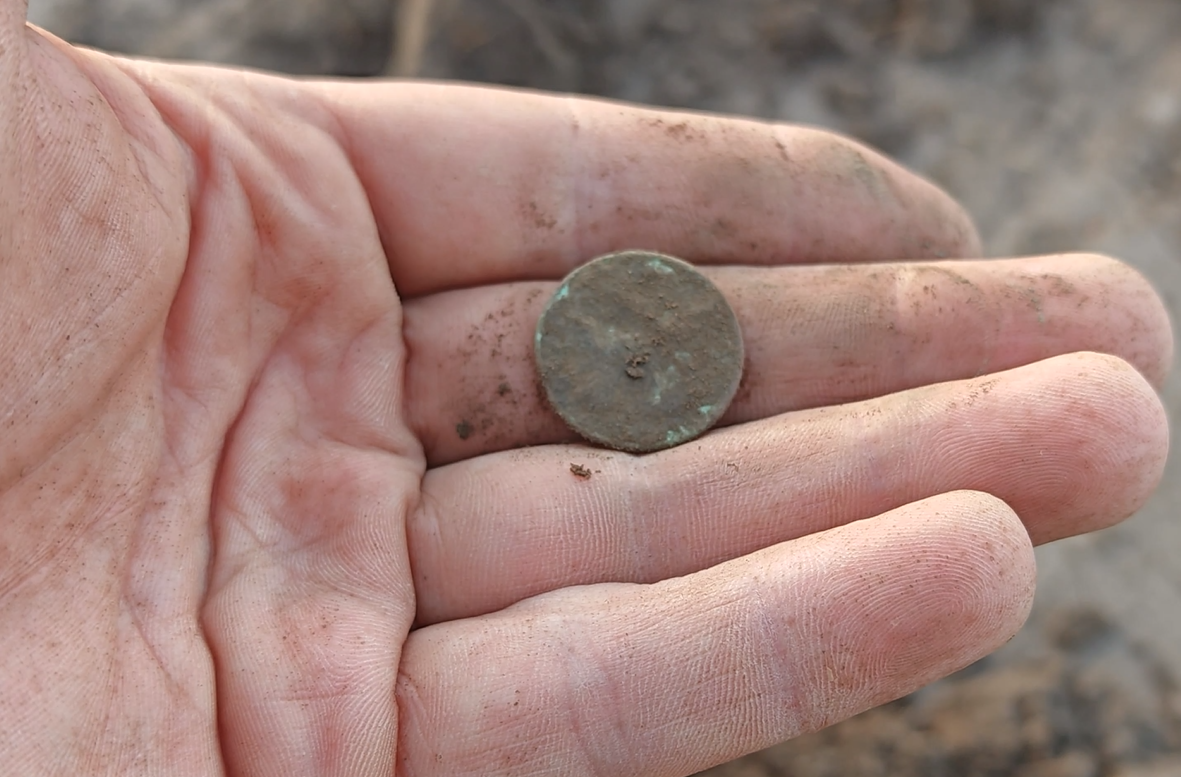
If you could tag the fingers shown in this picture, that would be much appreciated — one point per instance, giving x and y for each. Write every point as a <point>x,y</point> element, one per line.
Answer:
<point>676,677</point>
<point>814,336</point>
<point>473,186</point>
<point>1073,444</point>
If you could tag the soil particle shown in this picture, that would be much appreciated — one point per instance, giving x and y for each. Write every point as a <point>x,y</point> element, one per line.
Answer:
<point>580,472</point>
<point>635,366</point>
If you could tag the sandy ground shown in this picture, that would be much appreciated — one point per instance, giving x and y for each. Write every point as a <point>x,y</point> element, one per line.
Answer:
<point>1058,123</point>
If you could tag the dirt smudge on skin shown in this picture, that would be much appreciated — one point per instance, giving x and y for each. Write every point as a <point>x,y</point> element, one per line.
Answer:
<point>497,397</point>
<point>682,130</point>
<point>537,217</point>
<point>946,272</point>
<point>782,149</point>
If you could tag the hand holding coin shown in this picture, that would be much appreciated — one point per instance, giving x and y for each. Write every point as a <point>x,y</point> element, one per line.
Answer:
<point>283,492</point>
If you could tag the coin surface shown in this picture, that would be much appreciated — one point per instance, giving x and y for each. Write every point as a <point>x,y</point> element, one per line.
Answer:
<point>638,351</point>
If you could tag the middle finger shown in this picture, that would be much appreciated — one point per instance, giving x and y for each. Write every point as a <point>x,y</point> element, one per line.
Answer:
<point>814,335</point>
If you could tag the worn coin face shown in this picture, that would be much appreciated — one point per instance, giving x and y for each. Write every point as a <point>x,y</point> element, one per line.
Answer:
<point>638,351</point>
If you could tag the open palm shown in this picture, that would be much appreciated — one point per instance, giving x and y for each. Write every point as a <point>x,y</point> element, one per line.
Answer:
<point>278,495</point>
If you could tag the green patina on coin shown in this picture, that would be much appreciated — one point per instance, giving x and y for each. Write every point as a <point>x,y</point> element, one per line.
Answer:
<point>638,351</point>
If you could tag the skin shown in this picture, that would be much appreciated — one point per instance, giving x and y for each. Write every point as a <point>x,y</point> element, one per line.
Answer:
<point>239,534</point>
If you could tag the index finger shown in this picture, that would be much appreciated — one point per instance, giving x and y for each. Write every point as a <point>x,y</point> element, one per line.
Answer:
<point>474,185</point>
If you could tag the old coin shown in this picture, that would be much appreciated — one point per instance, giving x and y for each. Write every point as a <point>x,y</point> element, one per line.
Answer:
<point>638,351</point>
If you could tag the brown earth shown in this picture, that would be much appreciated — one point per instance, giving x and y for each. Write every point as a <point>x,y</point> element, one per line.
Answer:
<point>1058,123</point>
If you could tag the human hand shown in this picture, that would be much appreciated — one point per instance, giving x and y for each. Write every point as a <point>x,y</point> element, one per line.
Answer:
<point>241,535</point>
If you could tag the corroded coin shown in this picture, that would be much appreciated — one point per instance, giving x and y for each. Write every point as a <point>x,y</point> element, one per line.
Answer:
<point>638,351</point>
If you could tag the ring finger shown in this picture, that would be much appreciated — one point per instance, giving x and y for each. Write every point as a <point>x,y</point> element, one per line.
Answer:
<point>1072,444</point>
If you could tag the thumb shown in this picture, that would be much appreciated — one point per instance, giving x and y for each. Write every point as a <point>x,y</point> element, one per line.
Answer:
<point>93,233</point>
<point>12,20</point>
<point>12,32</point>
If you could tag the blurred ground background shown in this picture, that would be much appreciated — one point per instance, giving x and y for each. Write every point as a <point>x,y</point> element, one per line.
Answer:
<point>1057,122</point>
